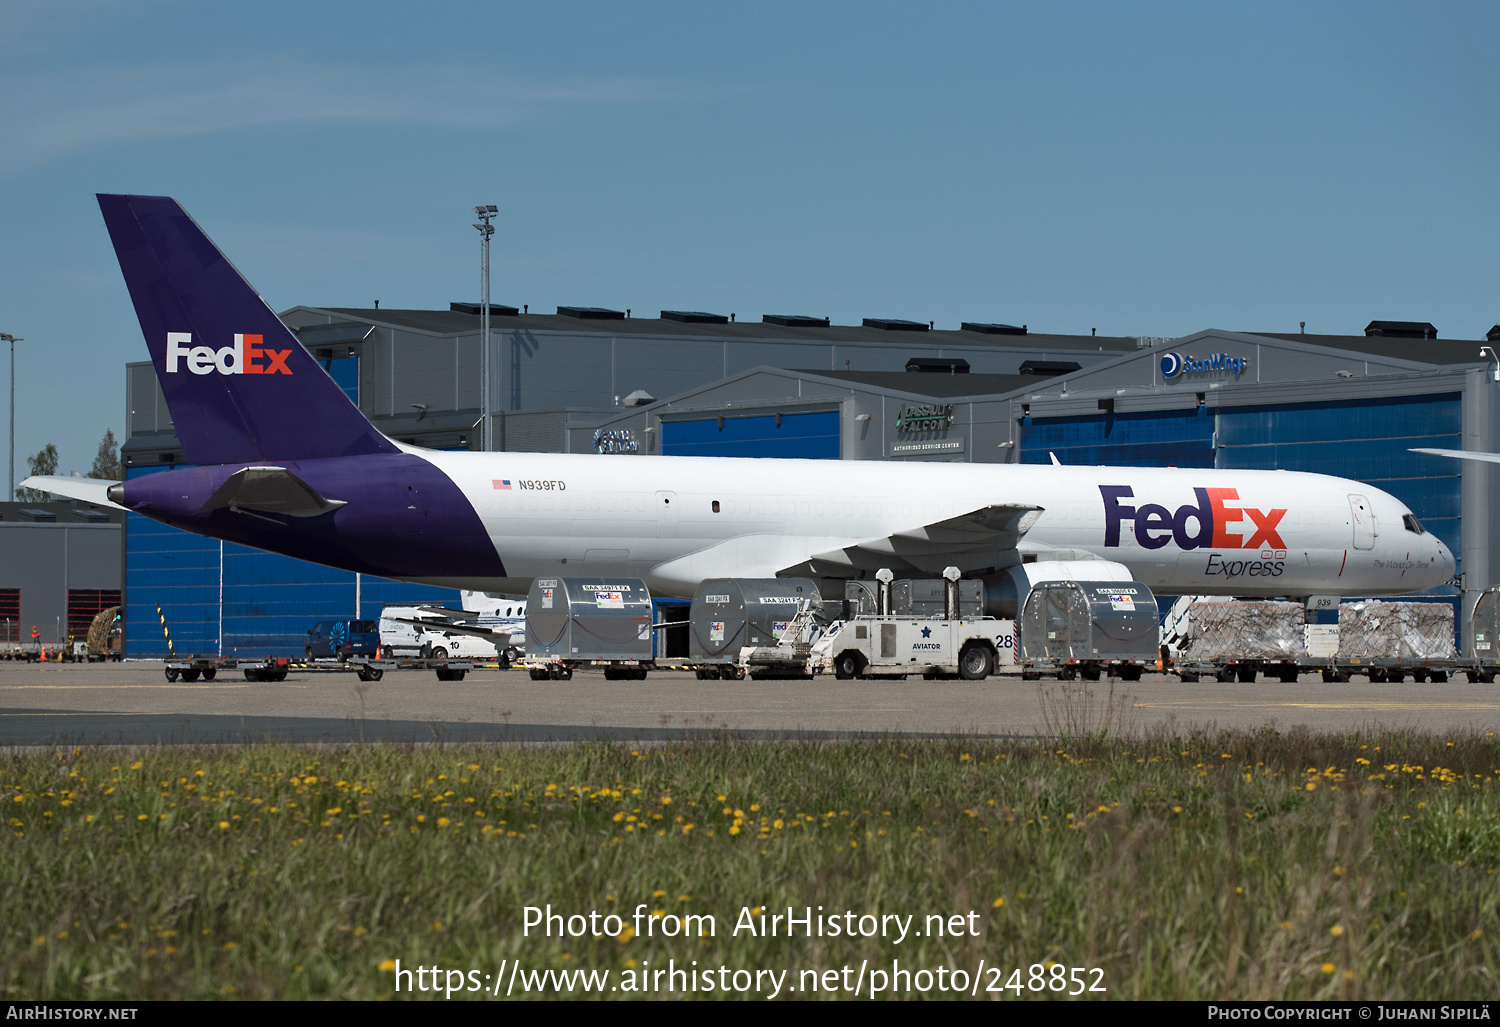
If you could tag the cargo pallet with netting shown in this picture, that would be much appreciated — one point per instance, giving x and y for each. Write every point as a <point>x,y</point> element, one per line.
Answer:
<point>1384,641</point>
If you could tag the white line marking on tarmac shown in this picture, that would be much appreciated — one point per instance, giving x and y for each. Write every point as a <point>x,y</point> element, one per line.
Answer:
<point>794,709</point>
<point>106,713</point>
<point>1226,704</point>
<point>116,688</point>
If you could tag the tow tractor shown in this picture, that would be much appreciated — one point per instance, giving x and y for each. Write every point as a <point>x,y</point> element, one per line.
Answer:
<point>882,645</point>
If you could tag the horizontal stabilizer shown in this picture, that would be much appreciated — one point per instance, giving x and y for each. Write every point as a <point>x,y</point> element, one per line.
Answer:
<point>88,490</point>
<point>974,538</point>
<point>273,490</point>
<point>1462,454</point>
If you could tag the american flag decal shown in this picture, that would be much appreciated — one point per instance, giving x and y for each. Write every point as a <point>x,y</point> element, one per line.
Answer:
<point>500,483</point>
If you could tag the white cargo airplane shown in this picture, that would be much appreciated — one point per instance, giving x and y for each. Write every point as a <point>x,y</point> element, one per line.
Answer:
<point>285,462</point>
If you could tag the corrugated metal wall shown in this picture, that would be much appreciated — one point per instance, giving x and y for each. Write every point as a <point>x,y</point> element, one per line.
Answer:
<point>1161,438</point>
<point>44,561</point>
<point>813,436</point>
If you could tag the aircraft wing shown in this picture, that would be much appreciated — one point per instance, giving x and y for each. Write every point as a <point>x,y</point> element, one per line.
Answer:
<point>89,490</point>
<point>269,490</point>
<point>443,611</point>
<point>973,538</point>
<point>500,638</point>
<point>1457,454</point>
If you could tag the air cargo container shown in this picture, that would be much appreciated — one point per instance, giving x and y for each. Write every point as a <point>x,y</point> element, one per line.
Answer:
<point>589,621</point>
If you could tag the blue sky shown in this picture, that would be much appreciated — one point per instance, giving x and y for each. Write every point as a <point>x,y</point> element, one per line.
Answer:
<point>1143,169</point>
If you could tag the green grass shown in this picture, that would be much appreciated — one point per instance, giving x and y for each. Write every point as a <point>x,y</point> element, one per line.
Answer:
<point>1263,865</point>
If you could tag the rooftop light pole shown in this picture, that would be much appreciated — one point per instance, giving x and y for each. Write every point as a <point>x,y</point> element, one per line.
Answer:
<point>10,493</point>
<point>486,212</point>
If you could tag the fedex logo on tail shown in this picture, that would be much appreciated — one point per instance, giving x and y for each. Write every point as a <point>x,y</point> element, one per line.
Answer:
<point>1212,524</point>
<point>246,356</point>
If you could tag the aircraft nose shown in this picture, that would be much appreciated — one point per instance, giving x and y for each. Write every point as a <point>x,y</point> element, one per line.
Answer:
<point>1446,561</point>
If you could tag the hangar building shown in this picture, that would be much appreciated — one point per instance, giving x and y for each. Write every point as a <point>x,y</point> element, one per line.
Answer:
<point>59,566</point>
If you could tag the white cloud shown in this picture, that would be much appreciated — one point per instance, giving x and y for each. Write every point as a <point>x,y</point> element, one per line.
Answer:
<point>49,117</point>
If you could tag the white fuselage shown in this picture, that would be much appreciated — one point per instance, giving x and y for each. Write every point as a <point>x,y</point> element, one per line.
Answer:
<point>676,521</point>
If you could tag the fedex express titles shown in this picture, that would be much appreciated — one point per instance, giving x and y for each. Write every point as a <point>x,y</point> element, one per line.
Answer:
<point>246,356</point>
<point>1214,522</point>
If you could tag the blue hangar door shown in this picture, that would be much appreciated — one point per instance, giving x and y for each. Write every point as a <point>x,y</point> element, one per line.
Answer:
<point>813,436</point>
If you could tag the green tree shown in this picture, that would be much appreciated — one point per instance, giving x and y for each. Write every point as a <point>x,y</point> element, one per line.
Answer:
<point>107,460</point>
<point>43,462</point>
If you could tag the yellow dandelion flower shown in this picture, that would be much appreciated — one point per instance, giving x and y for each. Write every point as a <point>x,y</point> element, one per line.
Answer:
<point>1328,968</point>
<point>1337,930</point>
<point>223,825</point>
<point>998,902</point>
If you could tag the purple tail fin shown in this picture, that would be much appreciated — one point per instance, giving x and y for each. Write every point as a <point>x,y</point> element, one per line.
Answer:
<point>239,385</point>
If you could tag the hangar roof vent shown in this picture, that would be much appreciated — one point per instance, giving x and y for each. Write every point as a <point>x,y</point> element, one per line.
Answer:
<point>1493,334</point>
<point>31,513</point>
<point>1402,329</point>
<point>694,317</point>
<point>795,320</point>
<point>501,309</point>
<point>91,516</point>
<point>938,365</point>
<point>593,313</point>
<point>1050,368</point>
<point>993,329</point>
<point>895,324</point>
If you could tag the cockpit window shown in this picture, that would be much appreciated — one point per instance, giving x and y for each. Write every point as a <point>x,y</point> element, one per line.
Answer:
<point>1413,525</point>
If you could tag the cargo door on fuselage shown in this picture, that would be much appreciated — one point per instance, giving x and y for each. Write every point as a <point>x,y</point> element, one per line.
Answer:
<point>1363,520</point>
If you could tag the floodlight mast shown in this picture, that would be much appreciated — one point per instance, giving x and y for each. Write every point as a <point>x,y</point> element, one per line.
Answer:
<point>10,492</point>
<point>486,212</point>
